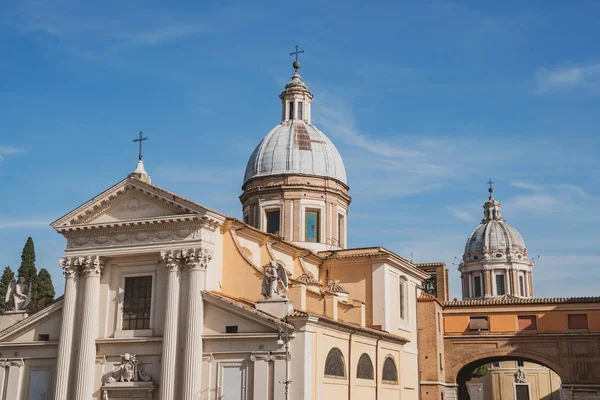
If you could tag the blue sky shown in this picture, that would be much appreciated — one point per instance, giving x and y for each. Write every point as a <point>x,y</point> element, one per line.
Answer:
<point>425,102</point>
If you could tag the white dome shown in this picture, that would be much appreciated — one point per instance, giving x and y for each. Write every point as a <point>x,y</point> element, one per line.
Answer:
<point>495,240</point>
<point>295,147</point>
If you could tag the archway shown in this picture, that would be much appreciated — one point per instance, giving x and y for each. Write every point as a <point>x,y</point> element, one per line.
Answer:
<point>508,376</point>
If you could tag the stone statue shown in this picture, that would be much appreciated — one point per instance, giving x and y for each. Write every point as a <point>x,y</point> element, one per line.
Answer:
<point>520,376</point>
<point>21,294</point>
<point>130,370</point>
<point>273,274</point>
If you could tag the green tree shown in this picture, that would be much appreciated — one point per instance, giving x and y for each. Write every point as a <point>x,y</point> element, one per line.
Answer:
<point>7,277</point>
<point>480,371</point>
<point>45,288</point>
<point>28,271</point>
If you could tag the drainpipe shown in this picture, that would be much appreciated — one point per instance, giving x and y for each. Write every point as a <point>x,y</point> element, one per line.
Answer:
<point>377,368</point>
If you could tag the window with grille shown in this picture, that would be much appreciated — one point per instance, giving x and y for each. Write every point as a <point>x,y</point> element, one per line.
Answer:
<point>300,110</point>
<point>390,372</point>
<point>364,369</point>
<point>137,302</point>
<point>500,288</point>
<point>291,103</point>
<point>334,364</point>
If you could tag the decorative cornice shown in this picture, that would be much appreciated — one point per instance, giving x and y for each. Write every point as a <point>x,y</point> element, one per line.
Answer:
<point>307,279</point>
<point>509,300</point>
<point>12,363</point>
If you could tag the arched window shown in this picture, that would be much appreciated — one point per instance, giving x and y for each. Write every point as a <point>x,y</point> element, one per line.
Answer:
<point>365,367</point>
<point>390,372</point>
<point>334,363</point>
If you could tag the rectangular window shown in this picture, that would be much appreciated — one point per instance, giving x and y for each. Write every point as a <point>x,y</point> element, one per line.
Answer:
<point>478,324</point>
<point>527,322</point>
<point>439,322</point>
<point>300,110</point>
<point>311,226</point>
<point>43,337</point>
<point>291,105</point>
<point>441,362</point>
<point>247,219</point>
<point>578,321</point>
<point>273,221</point>
<point>39,382</point>
<point>500,289</point>
<point>137,302</point>
<point>520,363</point>
<point>522,391</point>
<point>401,299</point>
<point>231,329</point>
<point>477,286</point>
<point>521,286</point>
<point>340,230</point>
<point>496,364</point>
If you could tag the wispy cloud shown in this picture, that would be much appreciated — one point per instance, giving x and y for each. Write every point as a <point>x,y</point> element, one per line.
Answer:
<point>585,77</point>
<point>549,199</point>
<point>16,224</point>
<point>6,150</point>
<point>462,214</point>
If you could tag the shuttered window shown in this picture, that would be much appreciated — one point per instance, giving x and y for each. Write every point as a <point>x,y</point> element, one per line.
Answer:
<point>527,322</point>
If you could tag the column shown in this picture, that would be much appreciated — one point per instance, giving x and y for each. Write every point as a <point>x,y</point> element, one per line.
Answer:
<point>13,384</point>
<point>488,282</point>
<point>279,377</point>
<point>172,261</point>
<point>530,283</point>
<point>65,344</point>
<point>261,377</point>
<point>196,262</point>
<point>86,364</point>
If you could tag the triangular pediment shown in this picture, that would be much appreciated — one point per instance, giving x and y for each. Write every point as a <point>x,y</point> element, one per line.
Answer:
<point>132,200</point>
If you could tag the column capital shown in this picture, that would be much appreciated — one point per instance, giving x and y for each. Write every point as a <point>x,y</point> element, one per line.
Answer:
<point>172,259</point>
<point>92,265</point>
<point>70,266</point>
<point>197,259</point>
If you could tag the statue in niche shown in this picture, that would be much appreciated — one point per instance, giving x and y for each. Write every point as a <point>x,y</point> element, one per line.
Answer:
<point>130,370</point>
<point>520,376</point>
<point>274,274</point>
<point>21,294</point>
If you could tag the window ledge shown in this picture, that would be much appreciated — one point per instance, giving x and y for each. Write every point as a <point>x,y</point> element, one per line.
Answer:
<point>130,333</point>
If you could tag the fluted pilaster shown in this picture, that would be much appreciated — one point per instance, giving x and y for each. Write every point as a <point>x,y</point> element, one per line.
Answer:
<point>172,261</point>
<point>65,343</point>
<point>196,262</point>
<point>85,372</point>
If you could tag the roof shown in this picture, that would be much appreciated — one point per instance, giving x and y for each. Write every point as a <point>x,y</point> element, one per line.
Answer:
<point>296,147</point>
<point>513,300</point>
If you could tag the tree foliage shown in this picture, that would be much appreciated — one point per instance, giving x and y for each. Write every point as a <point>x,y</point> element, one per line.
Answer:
<point>7,276</point>
<point>45,288</point>
<point>27,269</point>
<point>480,371</point>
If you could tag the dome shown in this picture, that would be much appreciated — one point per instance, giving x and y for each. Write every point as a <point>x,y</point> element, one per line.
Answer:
<point>295,147</point>
<point>494,239</point>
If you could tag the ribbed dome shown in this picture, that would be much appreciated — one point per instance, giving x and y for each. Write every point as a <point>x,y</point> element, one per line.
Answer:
<point>494,239</point>
<point>295,147</point>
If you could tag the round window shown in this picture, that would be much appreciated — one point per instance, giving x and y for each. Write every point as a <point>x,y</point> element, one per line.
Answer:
<point>476,258</point>
<point>498,255</point>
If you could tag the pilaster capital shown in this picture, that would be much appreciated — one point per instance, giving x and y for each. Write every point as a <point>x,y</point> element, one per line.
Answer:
<point>69,266</point>
<point>172,259</point>
<point>198,259</point>
<point>92,265</point>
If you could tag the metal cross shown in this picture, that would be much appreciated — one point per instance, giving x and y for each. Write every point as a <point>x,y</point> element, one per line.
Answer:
<point>140,139</point>
<point>490,183</point>
<point>296,52</point>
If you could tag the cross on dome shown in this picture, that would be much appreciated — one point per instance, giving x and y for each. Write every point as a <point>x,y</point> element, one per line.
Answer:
<point>296,63</point>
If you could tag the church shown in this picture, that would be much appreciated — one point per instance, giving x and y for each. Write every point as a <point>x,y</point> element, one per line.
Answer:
<point>167,299</point>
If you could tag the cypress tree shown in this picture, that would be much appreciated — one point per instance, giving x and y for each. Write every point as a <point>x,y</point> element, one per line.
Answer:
<point>28,271</point>
<point>7,276</point>
<point>45,288</point>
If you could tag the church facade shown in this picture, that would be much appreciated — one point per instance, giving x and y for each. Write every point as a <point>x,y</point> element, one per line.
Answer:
<point>167,299</point>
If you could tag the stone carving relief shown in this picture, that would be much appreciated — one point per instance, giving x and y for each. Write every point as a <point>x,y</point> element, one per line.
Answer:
<point>129,370</point>
<point>140,237</point>
<point>275,280</point>
<point>520,376</point>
